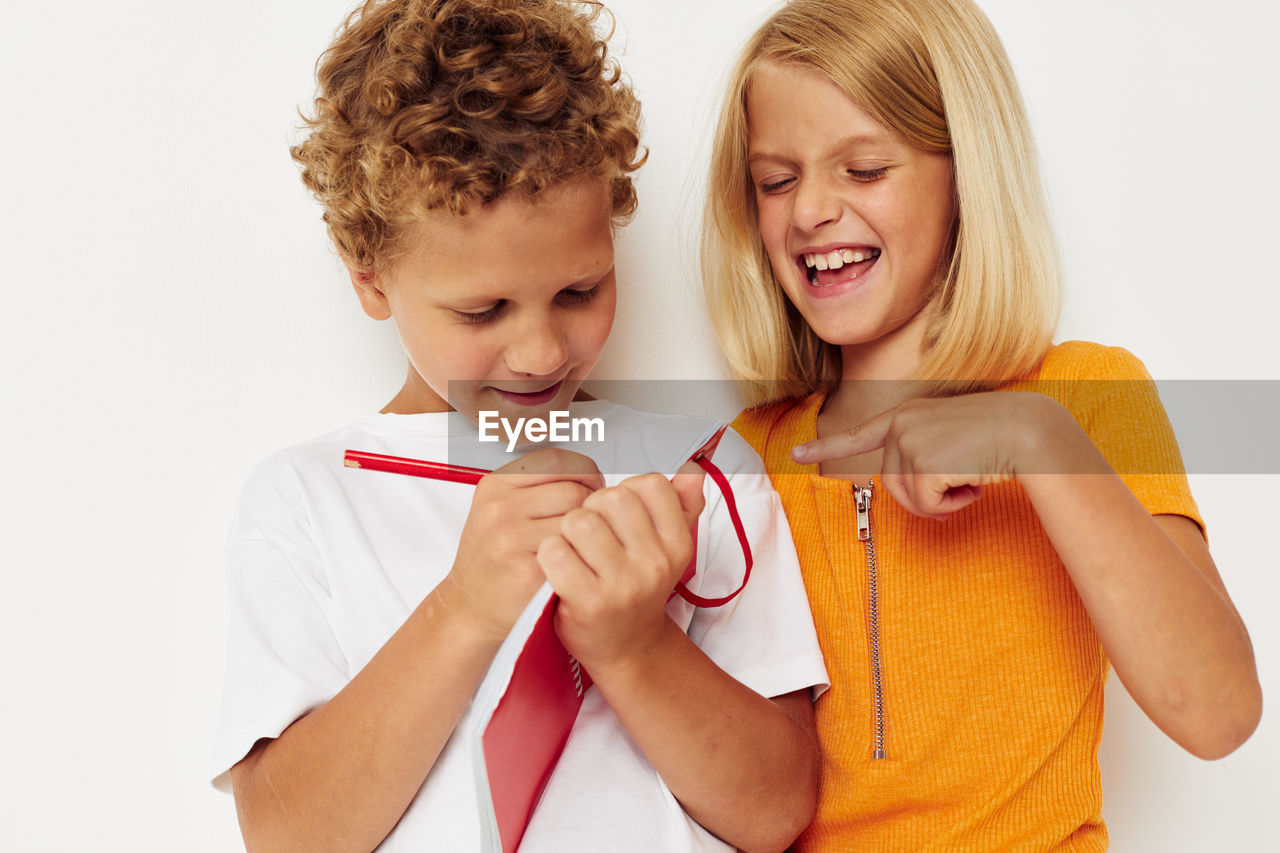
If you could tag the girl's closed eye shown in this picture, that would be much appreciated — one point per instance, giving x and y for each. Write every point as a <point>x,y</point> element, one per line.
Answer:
<point>866,176</point>
<point>776,185</point>
<point>862,176</point>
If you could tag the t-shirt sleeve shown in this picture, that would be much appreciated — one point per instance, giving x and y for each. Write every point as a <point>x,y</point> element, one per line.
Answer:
<point>283,658</point>
<point>1117,403</point>
<point>765,636</point>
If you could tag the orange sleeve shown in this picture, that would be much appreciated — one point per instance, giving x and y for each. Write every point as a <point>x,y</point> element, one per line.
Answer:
<point>1116,402</point>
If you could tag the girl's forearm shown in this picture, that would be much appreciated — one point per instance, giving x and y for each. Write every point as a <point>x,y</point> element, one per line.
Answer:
<point>745,767</point>
<point>339,778</point>
<point>1156,600</point>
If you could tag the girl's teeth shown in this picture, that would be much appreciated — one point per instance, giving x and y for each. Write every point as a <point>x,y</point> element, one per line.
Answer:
<point>837,259</point>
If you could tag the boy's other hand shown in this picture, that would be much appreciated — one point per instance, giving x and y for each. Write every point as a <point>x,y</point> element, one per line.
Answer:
<point>688,485</point>
<point>616,559</point>
<point>514,509</point>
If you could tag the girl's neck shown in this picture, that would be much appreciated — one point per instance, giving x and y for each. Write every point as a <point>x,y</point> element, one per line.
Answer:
<point>853,401</point>
<point>875,380</point>
<point>877,375</point>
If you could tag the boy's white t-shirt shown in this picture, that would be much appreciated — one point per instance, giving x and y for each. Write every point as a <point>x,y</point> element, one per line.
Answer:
<point>325,563</point>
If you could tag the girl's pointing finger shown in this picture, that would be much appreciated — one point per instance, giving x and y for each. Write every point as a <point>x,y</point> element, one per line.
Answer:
<point>865,437</point>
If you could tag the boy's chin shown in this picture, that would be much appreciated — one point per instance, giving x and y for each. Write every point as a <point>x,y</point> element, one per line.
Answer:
<point>511,406</point>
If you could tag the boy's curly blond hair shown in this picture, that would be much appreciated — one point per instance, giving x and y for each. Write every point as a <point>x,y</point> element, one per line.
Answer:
<point>446,104</point>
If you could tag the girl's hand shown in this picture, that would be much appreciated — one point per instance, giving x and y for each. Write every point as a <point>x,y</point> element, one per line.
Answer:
<point>940,452</point>
<point>615,561</point>
<point>513,510</point>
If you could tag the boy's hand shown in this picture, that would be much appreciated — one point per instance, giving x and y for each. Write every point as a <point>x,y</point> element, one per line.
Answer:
<point>514,509</point>
<point>615,560</point>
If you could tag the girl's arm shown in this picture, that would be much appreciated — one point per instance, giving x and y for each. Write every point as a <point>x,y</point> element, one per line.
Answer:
<point>1153,593</point>
<point>1148,582</point>
<point>743,766</point>
<point>339,778</point>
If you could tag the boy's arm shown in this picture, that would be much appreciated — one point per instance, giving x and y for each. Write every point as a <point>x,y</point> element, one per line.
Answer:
<point>743,766</point>
<point>340,777</point>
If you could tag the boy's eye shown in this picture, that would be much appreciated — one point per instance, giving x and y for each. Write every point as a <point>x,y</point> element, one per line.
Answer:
<point>486,316</point>
<point>569,295</point>
<point>579,296</point>
<point>866,176</point>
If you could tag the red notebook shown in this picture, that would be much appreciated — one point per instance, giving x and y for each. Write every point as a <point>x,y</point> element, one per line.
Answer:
<point>519,721</point>
<point>523,711</point>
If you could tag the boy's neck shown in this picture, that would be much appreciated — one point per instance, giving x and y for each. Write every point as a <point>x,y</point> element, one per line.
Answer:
<point>415,397</point>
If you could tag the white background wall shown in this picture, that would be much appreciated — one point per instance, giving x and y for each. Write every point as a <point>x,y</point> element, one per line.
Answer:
<point>172,313</point>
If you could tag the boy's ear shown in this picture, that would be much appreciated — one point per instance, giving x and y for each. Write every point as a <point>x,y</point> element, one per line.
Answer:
<point>373,299</point>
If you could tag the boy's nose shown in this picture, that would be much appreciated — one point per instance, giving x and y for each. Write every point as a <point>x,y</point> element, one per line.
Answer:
<point>539,349</point>
<point>816,204</point>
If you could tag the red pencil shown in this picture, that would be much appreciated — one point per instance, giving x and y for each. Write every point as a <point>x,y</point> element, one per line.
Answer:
<point>459,473</point>
<point>413,467</point>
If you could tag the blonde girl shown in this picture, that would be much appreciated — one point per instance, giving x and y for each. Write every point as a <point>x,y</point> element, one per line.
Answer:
<point>987,522</point>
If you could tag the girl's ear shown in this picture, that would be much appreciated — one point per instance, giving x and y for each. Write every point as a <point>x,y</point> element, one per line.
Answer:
<point>368,287</point>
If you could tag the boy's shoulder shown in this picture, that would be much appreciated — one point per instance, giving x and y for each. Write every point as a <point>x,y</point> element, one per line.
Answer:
<point>318,453</point>
<point>305,465</point>
<point>296,489</point>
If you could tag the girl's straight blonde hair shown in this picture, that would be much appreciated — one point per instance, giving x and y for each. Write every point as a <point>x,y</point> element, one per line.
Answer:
<point>934,73</point>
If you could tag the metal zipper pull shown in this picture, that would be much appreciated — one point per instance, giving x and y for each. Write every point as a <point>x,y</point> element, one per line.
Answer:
<point>862,496</point>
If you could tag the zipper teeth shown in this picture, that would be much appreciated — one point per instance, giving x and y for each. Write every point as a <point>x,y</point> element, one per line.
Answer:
<point>877,685</point>
<point>873,620</point>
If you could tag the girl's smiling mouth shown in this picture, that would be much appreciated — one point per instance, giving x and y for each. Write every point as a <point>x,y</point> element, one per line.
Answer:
<point>834,266</point>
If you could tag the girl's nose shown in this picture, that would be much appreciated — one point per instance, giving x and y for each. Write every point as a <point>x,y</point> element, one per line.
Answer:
<point>540,349</point>
<point>816,204</point>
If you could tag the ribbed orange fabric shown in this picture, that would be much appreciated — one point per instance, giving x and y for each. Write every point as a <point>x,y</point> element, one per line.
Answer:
<point>992,673</point>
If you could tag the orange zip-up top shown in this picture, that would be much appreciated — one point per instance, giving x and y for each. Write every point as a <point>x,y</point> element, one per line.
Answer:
<point>966,697</point>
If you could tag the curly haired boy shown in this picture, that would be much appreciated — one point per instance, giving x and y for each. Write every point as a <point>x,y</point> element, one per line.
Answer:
<point>473,160</point>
